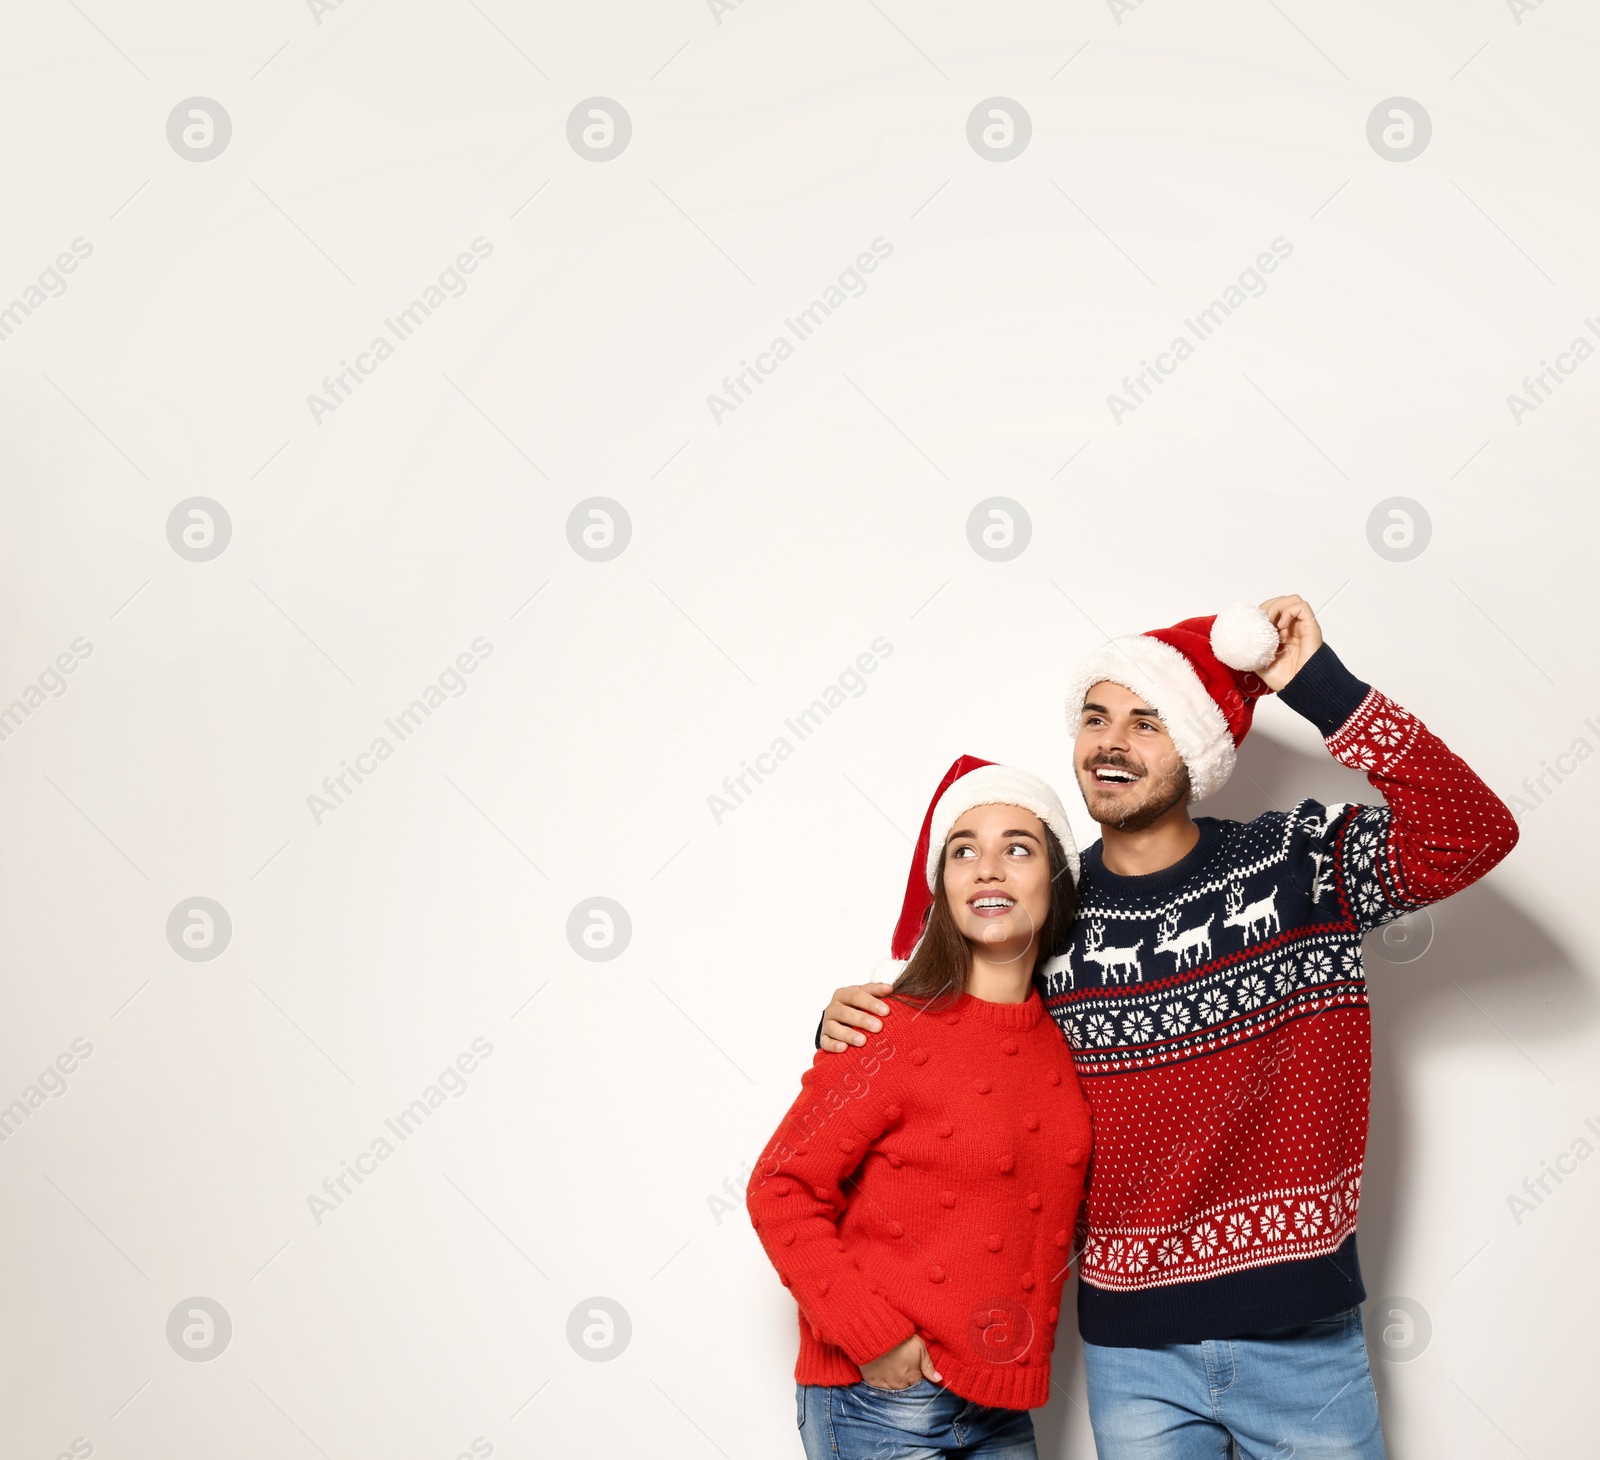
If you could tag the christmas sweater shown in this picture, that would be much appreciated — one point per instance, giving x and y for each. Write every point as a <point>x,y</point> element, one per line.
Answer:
<point>1217,1013</point>
<point>928,1182</point>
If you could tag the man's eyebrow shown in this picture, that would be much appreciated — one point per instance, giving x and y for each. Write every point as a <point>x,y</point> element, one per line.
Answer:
<point>1139,714</point>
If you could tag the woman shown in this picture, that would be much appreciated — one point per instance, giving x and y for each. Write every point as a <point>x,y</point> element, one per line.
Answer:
<point>920,1196</point>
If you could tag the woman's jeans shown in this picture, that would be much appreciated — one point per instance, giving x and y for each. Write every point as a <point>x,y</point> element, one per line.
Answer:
<point>1303,1392</point>
<point>924,1422</point>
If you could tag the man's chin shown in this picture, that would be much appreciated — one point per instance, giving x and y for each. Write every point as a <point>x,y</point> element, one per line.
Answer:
<point>1111,808</point>
<point>1112,811</point>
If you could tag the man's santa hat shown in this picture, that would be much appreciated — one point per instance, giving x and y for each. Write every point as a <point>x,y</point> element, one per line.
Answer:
<point>1199,676</point>
<point>969,782</point>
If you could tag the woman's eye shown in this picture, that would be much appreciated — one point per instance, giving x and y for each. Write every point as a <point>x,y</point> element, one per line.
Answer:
<point>1021,848</point>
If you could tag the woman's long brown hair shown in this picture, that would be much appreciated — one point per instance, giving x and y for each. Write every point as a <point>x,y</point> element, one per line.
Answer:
<point>937,972</point>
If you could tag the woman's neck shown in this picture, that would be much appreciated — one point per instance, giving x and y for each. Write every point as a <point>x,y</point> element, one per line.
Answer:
<point>1008,981</point>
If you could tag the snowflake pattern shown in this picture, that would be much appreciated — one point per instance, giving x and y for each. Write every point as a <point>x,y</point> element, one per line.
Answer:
<point>1204,1241</point>
<point>1175,1018</point>
<point>1307,1218</point>
<point>1319,966</point>
<point>1305,1221</point>
<point>1386,731</point>
<point>1363,848</point>
<point>1287,980</point>
<point>1350,961</point>
<point>1138,1026</point>
<point>1213,1005</point>
<point>1377,735</point>
<point>1097,1029</point>
<point>1251,991</point>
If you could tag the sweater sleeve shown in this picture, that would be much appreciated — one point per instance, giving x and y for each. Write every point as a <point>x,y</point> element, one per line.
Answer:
<point>1441,829</point>
<point>795,1198</point>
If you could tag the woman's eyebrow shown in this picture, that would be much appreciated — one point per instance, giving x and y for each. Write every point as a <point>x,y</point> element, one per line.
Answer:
<point>1018,832</point>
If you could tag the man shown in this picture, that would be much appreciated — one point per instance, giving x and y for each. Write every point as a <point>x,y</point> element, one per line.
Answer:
<point>1215,1001</point>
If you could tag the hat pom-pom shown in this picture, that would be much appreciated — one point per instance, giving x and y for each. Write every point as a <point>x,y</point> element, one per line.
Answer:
<point>1244,638</point>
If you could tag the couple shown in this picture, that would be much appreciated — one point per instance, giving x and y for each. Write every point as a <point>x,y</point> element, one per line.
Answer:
<point>925,1194</point>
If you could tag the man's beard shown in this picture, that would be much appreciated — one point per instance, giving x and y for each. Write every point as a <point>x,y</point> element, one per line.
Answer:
<point>1171,790</point>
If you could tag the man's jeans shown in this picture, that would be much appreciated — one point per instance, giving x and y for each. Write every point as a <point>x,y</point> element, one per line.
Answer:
<point>924,1422</point>
<point>1302,1392</point>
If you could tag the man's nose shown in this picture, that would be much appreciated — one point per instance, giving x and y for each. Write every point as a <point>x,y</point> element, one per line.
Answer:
<point>1110,741</point>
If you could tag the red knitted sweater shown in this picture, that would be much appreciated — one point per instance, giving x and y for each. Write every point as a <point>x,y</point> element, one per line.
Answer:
<point>929,1183</point>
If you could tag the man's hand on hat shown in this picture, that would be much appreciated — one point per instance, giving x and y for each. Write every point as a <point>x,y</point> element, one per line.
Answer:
<point>1299,637</point>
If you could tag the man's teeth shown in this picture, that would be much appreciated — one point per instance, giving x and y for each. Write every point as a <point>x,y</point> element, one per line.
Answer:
<point>1114,773</point>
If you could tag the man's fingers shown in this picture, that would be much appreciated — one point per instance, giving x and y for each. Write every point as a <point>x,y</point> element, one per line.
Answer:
<point>854,1015</point>
<point>840,1038</point>
<point>863,996</point>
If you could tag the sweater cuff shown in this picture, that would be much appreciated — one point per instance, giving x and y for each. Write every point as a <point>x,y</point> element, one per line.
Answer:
<point>1324,691</point>
<point>863,1325</point>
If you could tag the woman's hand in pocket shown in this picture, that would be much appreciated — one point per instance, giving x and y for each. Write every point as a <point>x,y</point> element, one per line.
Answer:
<point>902,1366</point>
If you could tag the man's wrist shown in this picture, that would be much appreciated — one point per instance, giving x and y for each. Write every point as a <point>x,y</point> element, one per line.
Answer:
<point>1324,691</point>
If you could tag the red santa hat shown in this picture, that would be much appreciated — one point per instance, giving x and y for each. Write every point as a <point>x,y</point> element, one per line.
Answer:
<point>971,782</point>
<point>1199,676</point>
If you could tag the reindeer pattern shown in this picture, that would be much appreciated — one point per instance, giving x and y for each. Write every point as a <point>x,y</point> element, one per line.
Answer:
<point>1224,938</point>
<point>1190,941</point>
<point>1262,914</point>
<point>1118,963</point>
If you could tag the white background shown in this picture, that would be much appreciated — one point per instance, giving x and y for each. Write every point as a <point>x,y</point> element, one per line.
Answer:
<point>770,146</point>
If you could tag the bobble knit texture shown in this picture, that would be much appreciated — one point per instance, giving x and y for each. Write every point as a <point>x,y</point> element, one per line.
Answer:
<point>1218,1017</point>
<point>929,1182</point>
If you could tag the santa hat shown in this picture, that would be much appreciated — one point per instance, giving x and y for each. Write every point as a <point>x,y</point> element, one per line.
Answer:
<point>971,782</point>
<point>1199,676</point>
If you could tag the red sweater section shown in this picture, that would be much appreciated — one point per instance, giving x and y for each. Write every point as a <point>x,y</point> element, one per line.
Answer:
<point>929,1182</point>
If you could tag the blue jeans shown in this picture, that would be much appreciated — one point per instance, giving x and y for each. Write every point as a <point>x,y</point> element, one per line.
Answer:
<point>924,1422</point>
<point>1302,1392</point>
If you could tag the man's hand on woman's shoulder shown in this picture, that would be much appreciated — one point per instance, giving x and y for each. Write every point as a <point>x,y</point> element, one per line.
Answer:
<point>854,1009</point>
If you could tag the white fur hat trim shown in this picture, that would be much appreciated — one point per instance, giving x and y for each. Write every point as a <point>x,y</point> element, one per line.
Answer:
<point>998,785</point>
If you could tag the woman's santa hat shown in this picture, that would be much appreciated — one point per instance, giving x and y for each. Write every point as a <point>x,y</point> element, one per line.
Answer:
<point>971,782</point>
<point>1199,676</point>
